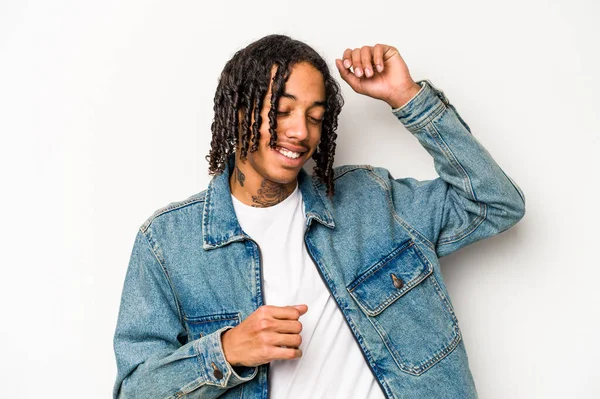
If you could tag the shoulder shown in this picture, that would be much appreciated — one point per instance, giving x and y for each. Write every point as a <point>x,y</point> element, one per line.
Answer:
<point>351,174</point>
<point>175,210</point>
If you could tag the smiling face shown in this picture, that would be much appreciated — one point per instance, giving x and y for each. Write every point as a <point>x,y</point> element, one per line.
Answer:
<point>299,120</point>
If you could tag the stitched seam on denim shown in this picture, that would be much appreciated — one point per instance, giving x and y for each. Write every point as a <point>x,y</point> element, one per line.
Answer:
<point>368,355</point>
<point>213,318</point>
<point>216,318</point>
<point>418,125</point>
<point>152,245</point>
<point>205,216</point>
<point>441,353</point>
<point>416,235</point>
<point>456,330</point>
<point>391,349</point>
<point>239,377</point>
<point>467,186</point>
<point>324,271</point>
<point>257,271</point>
<point>329,222</point>
<point>349,168</point>
<point>197,383</point>
<point>451,158</point>
<point>263,380</point>
<point>465,233</point>
<point>444,299</point>
<point>171,207</point>
<point>386,341</point>
<point>207,233</point>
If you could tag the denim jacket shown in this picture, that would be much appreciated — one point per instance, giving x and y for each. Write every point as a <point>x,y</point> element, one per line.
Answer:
<point>194,273</point>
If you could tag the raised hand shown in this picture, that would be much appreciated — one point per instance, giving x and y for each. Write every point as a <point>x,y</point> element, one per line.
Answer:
<point>269,333</point>
<point>379,72</point>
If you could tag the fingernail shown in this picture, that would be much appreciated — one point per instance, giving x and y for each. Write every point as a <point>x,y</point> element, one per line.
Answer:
<point>368,72</point>
<point>379,67</point>
<point>347,63</point>
<point>358,72</point>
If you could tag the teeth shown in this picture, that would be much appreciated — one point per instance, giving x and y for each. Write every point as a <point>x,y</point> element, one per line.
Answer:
<point>288,153</point>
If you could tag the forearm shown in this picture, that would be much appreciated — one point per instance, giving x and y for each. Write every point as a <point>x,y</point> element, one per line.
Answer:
<point>197,369</point>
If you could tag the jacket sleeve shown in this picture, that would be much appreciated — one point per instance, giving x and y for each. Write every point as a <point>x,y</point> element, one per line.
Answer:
<point>153,358</point>
<point>472,198</point>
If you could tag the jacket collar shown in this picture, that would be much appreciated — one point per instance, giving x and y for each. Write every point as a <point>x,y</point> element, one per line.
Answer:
<point>220,224</point>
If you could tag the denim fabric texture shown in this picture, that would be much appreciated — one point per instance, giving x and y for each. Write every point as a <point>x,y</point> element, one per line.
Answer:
<point>194,273</point>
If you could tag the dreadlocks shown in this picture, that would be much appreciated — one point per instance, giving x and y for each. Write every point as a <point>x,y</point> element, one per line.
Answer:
<point>243,85</point>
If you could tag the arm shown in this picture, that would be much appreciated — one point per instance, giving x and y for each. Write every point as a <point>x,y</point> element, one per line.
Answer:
<point>151,360</point>
<point>473,198</point>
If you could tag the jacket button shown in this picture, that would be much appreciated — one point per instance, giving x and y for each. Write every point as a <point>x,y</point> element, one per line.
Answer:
<point>398,283</point>
<point>218,374</point>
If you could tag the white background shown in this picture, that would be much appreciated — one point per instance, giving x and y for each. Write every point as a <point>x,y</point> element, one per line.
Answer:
<point>105,112</point>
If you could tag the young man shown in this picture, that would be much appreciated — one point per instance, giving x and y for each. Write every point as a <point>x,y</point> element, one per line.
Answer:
<point>275,283</point>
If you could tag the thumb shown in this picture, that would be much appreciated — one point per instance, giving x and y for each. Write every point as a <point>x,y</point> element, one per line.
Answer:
<point>302,308</point>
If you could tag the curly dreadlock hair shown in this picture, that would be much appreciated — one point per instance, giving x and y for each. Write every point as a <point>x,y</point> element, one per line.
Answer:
<point>243,85</point>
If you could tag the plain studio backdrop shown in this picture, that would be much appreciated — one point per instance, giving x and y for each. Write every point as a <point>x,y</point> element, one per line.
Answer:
<point>105,113</point>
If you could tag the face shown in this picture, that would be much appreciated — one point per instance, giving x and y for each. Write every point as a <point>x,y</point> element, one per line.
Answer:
<point>299,121</point>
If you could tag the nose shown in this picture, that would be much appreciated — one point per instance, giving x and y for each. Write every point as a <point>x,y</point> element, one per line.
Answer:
<point>297,128</point>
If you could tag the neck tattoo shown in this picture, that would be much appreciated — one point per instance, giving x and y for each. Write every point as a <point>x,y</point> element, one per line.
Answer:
<point>269,194</point>
<point>238,176</point>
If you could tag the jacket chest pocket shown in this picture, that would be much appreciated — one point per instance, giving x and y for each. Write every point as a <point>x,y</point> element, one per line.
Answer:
<point>407,307</point>
<point>200,326</point>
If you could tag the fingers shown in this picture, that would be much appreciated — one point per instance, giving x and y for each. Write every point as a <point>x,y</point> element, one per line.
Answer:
<point>346,58</point>
<point>279,353</point>
<point>302,308</point>
<point>287,340</point>
<point>346,74</point>
<point>288,326</point>
<point>285,312</point>
<point>366,61</point>
<point>378,57</point>
<point>362,61</point>
<point>356,63</point>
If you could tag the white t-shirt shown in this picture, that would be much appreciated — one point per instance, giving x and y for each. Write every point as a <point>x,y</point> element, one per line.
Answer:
<point>332,365</point>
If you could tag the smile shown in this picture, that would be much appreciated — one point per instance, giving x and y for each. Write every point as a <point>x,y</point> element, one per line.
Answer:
<point>287,153</point>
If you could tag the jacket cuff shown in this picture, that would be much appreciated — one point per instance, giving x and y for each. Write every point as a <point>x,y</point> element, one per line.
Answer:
<point>215,367</point>
<point>425,104</point>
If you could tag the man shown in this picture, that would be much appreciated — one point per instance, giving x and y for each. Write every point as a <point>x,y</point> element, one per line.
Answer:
<point>275,283</point>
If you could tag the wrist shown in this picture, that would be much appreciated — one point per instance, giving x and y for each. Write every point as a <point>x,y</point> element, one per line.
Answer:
<point>399,99</point>
<point>225,344</point>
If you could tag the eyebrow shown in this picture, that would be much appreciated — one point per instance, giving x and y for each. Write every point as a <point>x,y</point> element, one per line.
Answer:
<point>293,97</point>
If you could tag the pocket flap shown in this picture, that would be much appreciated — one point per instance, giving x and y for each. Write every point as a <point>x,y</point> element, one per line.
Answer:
<point>390,278</point>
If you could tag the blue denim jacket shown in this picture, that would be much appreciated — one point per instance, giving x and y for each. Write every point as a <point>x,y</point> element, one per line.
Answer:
<point>194,273</point>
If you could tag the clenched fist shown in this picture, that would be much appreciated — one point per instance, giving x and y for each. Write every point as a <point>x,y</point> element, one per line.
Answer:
<point>379,72</point>
<point>269,333</point>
